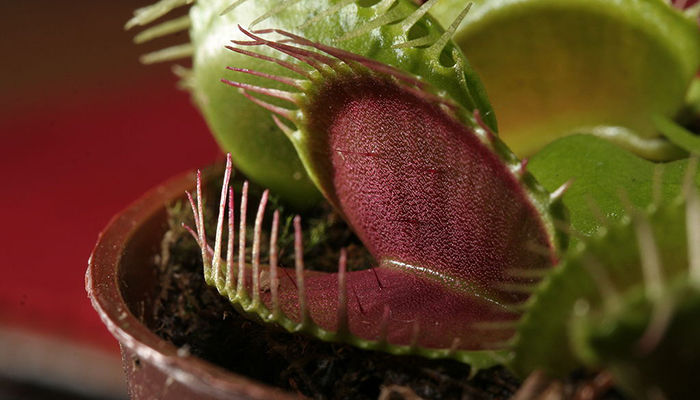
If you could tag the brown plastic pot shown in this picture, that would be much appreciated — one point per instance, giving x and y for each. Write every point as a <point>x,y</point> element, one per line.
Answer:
<point>122,281</point>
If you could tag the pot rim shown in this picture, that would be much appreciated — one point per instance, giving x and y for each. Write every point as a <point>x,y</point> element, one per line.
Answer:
<point>102,285</point>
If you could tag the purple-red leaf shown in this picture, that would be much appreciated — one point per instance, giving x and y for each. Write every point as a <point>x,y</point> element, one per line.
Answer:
<point>459,230</point>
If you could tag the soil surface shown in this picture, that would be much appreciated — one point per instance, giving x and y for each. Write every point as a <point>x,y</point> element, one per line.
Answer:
<point>192,314</point>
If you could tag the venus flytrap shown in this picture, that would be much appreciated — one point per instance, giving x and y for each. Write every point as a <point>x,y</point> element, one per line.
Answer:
<point>401,142</point>
<point>402,162</point>
<point>394,32</point>
<point>429,190</point>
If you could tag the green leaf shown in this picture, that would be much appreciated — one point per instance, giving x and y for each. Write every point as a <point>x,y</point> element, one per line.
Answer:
<point>602,174</point>
<point>554,67</point>
<point>605,177</point>
<point>589,305</point>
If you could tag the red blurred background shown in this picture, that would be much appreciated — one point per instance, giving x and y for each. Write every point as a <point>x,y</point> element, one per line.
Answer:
<point>85,130</point>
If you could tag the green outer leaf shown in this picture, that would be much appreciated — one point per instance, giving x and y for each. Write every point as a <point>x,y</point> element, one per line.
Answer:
<point>602,171</point>
<point>554,67</point>
<point>246,130</point>
<point>544,336</point>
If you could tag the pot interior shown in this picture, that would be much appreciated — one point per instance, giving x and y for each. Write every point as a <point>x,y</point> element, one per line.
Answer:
<point>123,282</point>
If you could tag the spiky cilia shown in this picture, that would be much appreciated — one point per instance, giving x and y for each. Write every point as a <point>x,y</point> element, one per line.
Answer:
<point>430,192</point>
<point>374,138</point>
<point>627,299</point>
<point>461,232</point>
<point>395,32</point>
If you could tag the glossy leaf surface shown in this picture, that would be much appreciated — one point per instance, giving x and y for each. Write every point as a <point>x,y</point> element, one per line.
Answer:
<point>601,172</point>
<point>605,67</point>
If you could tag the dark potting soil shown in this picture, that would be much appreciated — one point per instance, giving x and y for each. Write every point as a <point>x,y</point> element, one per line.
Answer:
<point>193,315</point>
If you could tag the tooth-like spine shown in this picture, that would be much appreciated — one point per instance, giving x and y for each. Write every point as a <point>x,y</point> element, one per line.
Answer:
<point>275,10</point>
<point>231,266</point>
<point>240,289</point>
<point>384,19</point>
<point>652,270</point>
<point>407,23</point>
<point>454,346</point>
<point>350,58</point>
<point>329,11</point>
<point>274,277</point>
<point>283,112</point>
<point>163,29</point>
<point>280,94</point>
<point>186,80</point>
<point>299,269</point>
<point>343,327</point>
<point>689,178</point>
<point>220,222</point>
<point>558,194</point>
<point>422,41</point>
<point>196,219</point>
<point>304,323</point>
<point>411,20</point>
<point>282,63</point>
<point>284,128</point>
<point>384,325</point>
<point>257,233</point>
<point>168,54</point>
<point>522,169</point>
<point>314,59</point>
<point>437,47</point>
<point>490,134</point>
<point>612,299</point>
<point>146,15</point>
<point>661,315</point>
<point>200,222</point>
<point>281,79</point>
<point>231,6</point>
<point>693,229</point>
<point>597,213</point>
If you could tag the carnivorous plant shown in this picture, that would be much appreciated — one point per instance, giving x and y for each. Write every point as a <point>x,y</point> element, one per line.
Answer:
<point>375,108</point>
